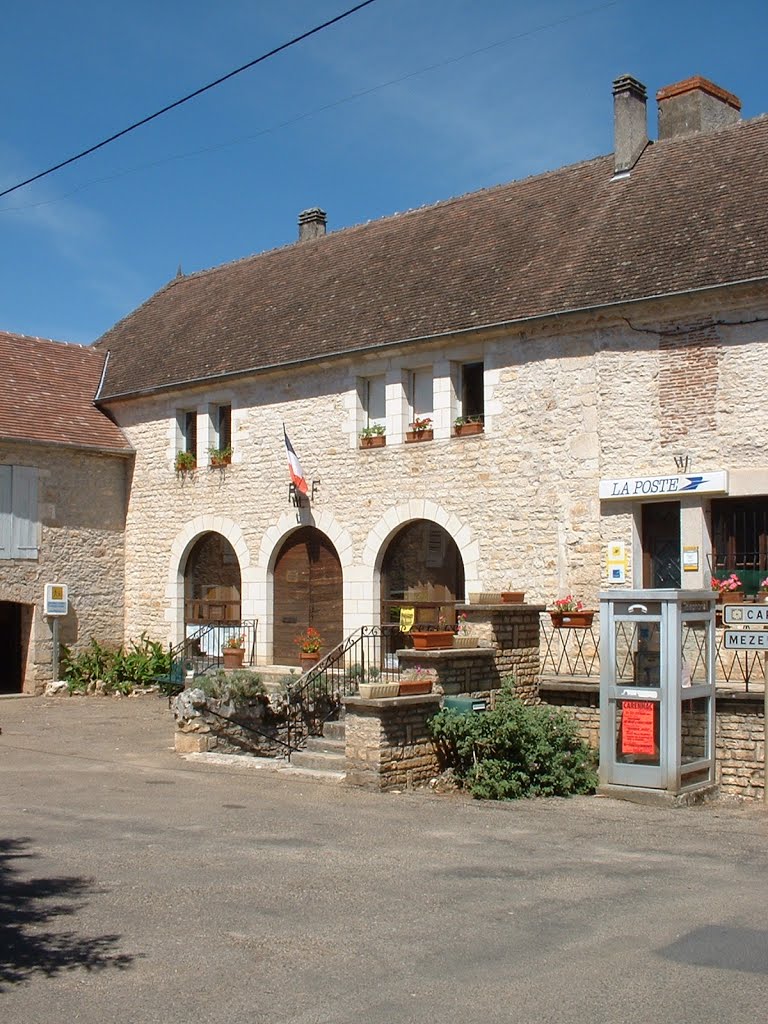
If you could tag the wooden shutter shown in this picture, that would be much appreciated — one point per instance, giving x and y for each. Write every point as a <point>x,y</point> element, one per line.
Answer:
<point>24,513</point>
<point>5,511</point>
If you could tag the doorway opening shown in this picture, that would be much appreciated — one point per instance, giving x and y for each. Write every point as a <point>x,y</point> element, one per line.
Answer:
<point>308,591</point>
<point>13,647</point>
<point>661,545</point>
<point>211,582</point>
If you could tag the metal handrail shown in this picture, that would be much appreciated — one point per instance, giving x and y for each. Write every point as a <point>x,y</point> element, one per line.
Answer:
<point>190,648</point>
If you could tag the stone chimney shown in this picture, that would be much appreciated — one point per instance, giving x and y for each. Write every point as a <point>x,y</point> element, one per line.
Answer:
<point>693,106</point>
<point>311,223</point>
<point>630,122</point>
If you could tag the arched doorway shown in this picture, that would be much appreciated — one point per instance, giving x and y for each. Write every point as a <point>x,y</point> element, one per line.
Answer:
<point>422,569</point>
<point>211,582</point>
<point>308,592</point>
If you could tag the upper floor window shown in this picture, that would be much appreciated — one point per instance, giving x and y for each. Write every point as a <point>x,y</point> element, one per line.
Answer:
<point>420,393</point>
<point>222,427</point>
<point>187,421</point>
<point>18,512</point>
<point>472,391</point>
<point>373,400</point>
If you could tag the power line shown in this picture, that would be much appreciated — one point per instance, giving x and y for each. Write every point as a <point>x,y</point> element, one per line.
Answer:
<point>448,61</point>
<point>190,96</point>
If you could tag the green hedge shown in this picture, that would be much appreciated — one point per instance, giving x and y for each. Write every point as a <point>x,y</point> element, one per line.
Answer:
<point>515,750</point>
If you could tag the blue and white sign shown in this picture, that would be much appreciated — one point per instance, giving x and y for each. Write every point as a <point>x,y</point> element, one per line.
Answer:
<point>644,487</point>
<point>745,640</point>
<point>745,614</point>
<point>56,599</point>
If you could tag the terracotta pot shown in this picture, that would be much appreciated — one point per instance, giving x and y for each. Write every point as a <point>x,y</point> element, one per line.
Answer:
<point>572,620</point>
<point>513,596</point>
<point>219,461</point>
<point>731,597</point>
<point>412,687</point>
<point>468,428</point>
<point>308,659</point>
<point>432,641</point>
<point>233,657</point>
<point>377,441</point>
<point>412,436</point>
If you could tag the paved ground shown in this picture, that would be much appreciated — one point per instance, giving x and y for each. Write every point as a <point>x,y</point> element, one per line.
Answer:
<point>138,887</point>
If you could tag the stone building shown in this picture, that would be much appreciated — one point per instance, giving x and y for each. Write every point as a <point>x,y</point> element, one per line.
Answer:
<point>603,328</point>
<point>63,492</point>
<point>605,324</point>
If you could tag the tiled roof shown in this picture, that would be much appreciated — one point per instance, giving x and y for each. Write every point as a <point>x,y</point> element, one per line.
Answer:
<point>692,214</point>
<point>46,394</point>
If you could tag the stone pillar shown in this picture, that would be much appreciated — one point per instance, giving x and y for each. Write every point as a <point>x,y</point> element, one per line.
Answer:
<point>387,742</point>
<point>512,631</point>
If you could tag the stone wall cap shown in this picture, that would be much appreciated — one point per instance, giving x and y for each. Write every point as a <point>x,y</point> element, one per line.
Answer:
<point>443,652</point>
<point>392,702</point>
<point>504,606</point>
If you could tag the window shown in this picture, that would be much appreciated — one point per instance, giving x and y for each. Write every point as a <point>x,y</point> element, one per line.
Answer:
<point>472,391</point>
<point>373,399</point>
<point>420,396</point>
<point>18,512</point>
<point>187,421</point>
<point>740,539</point>
<point>222,427</point>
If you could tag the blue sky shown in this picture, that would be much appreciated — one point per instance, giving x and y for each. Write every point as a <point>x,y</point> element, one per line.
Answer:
<point>226,175</point>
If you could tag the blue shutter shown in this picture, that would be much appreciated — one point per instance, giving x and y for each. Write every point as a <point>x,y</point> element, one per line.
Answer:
<point>24,528</point>
<point>5,511</point>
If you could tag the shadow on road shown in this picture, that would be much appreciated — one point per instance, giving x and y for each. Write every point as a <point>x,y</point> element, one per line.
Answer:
<point>28,907</point>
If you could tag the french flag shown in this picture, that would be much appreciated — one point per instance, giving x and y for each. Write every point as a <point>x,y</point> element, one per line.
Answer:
<point>294,467</point>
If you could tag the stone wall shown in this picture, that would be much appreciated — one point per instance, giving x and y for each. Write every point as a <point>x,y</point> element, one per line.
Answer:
<point>205,724</point>
<point>81,512</point>
<point>739,735</point>
<point>387,742</point>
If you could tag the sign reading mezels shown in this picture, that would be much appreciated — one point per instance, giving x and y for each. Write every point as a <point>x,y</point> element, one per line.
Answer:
<point>662,486</point>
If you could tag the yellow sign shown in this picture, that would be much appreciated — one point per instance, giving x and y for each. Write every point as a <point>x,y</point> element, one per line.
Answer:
<point>407,619</point>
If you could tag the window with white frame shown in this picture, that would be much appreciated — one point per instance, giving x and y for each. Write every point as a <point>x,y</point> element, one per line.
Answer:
<point>373,401</point>
<point>471,392</point>
<point>221,423</point>
<point>18,512</point>
<point>420,393</point>
<point>187,429</point>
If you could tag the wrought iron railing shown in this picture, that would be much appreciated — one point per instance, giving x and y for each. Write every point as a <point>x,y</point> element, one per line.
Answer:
<point>366,656</point>
<point>202,648</point>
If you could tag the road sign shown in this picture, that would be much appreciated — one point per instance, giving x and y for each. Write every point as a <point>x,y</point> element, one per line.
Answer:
<point>746,640</point>
<point>745,614</point>
<point>56,599</point>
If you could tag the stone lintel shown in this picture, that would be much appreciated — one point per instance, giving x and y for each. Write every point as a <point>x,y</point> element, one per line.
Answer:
<point>391,703</point>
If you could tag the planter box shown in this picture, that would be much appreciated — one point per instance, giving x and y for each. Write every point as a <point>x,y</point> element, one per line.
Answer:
<point>413,687</point>
<point>468,428</point>
<point>465,641</point>
<point>413,436</point>
<point>513,596</point>
<point>377,441</point>
<point>731,597</point>
<point>375,691</point>
<point>572,620</point>
<point>436,640</point>
<point>485,598</point>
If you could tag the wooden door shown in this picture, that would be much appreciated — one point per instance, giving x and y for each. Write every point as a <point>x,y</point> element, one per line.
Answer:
<point>661,544</point>
<point>308,592</point>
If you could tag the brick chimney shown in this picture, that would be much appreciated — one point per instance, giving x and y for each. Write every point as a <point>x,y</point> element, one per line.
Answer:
<point>630,122</point>
<point>311,223</point>
<point>693,106</point>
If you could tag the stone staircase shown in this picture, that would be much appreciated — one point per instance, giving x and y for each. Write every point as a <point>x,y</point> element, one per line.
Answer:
<point>324,753</point>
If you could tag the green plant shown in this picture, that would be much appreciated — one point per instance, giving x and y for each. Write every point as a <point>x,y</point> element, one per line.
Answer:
<point>240,685</point>
<point>234,642</point>
<point>185,462</point>
<point>515,750</point>
<point>373,430</point>
<point>568,604</point>
<point>309,642</point>
<point>220,456</point>
<point>461,420</point>
<point>421,423</point>
<point>118,669</point>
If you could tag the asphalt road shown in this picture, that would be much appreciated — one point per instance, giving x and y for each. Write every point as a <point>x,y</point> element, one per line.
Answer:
<point>139,887</point>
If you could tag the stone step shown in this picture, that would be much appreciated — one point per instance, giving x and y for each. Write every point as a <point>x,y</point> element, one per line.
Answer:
<point>318,760</point>
<point>335,730</point>
<point>325,745</point>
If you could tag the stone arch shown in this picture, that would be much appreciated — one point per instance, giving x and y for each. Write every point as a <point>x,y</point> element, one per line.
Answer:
<point>380,535</point>
<point>180,549</point>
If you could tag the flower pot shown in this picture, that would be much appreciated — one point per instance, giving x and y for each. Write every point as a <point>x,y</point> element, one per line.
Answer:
<point>377,441</point>
<point>308,659</point>
<point>572,620</point>
<point>412,687</point>
<point>233,657</point>
<point>513,596</point>
<point>731,597</point>
<point>431,641</point>
<point>412,436</point>
<point>219,461</point>
<point>375,691</point>
<point>465,429</point>
<point>465,641</point>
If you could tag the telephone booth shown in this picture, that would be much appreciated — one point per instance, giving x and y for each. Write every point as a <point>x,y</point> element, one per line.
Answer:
<point>657,691</point>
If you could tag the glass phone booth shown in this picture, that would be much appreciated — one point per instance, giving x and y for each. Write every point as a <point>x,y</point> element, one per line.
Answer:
<point>657,690</point>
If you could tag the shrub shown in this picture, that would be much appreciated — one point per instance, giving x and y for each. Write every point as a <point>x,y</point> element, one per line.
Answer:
<point>120,670</point>
<point>515,750</point>
<point>241,685</point>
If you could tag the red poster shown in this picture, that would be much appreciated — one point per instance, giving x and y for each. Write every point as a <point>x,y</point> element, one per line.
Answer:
<point>638,727</point>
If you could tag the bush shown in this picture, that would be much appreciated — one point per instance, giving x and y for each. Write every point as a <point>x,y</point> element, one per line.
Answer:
<point>240,685</point>
<point>515,750</point>
<point>120,670</point>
